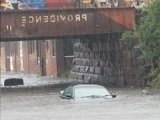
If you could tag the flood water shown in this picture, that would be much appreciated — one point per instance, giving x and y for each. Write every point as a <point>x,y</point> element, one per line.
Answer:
<point>45,104</point>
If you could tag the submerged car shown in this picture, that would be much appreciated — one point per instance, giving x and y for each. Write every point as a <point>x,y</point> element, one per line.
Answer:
<point>86,91</point>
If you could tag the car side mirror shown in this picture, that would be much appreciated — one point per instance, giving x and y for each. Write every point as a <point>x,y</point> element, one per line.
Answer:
<point>114,96</point>
<point>61,92</point>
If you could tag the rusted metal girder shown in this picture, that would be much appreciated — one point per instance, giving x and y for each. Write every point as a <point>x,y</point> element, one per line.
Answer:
<point>44,24</point>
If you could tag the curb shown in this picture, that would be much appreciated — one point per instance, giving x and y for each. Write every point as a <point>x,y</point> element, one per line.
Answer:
<point>39,87</point>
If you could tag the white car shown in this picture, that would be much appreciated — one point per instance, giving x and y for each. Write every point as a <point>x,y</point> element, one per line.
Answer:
<point>86,91</point>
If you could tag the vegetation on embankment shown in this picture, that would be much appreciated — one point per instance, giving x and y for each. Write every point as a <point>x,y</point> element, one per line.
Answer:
<point>147,38</point>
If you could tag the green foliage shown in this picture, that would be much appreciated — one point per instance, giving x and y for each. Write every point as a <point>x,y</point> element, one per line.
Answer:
<point>155,77</point>
<point>147,37</point>
<point>128,36</point>
<point>149,32</point>
<point>130,39</point>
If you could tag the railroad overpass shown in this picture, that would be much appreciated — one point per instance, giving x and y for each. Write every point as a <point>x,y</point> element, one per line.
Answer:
<point>99,56</point>
<point>60,23</point>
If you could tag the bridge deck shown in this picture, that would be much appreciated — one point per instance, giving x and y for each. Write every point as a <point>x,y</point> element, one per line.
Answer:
<point>44,24</point>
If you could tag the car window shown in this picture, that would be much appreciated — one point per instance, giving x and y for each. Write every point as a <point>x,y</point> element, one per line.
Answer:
<point>68,91</point>
<point>82,92</point>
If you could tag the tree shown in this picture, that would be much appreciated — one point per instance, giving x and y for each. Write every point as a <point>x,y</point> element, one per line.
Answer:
<point>147,37</point>
<point>149,33</point>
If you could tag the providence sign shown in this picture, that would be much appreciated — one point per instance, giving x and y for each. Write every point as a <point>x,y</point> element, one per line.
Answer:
<point>46,24</point>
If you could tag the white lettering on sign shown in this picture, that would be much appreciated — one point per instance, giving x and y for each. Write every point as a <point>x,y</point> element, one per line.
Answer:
<point>31,19</point>
<point>53,18</point>
<point>24,20</point>
<point>78,17</point>
<point>63,17</point>
<point>70,18</point>
<point>38,19</point>
<point>9,28</point>
<point>45,19</point>
<point>84,16</point>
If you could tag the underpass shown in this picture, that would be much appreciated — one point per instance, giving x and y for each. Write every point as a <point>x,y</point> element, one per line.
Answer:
<point>99,55</point>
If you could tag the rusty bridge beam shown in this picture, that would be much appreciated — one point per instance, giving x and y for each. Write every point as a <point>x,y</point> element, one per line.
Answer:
<point>45,24</point>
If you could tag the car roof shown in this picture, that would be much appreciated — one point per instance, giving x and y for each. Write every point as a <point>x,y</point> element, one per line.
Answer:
<point>88,86</point>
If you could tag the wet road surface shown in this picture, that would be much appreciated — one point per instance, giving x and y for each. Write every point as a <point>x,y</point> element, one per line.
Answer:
<point>45,104</point>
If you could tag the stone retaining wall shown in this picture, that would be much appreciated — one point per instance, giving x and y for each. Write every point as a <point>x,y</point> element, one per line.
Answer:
<point>105,60</point>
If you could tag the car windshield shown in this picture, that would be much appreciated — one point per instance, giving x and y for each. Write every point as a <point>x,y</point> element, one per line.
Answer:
<point>82,92</point>
<point>68,91</point>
